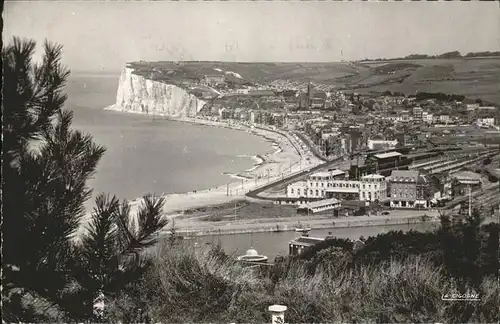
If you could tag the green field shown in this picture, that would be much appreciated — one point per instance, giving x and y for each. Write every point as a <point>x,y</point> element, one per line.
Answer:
<point>471,77</point>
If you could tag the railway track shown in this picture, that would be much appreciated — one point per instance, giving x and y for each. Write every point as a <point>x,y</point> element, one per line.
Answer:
<point>488,200</point>
<point>468,158</point>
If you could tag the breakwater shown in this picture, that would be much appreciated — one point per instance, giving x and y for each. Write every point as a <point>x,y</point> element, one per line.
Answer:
<point>287,227</point>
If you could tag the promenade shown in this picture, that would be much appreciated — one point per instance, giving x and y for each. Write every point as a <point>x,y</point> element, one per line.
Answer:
<point>195,227</point>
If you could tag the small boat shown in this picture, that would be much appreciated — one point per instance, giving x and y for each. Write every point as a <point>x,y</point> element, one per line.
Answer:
<point>301,228</point>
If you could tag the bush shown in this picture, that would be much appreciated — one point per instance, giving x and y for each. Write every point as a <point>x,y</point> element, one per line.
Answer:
<point>188,285</point>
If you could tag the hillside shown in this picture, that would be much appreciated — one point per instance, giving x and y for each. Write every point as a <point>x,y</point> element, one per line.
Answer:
<point>473,77</point>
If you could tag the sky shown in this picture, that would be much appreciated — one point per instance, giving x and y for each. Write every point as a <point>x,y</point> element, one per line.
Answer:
<point>103,36</point>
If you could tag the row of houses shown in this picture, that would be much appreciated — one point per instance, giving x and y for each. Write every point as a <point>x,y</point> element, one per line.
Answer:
<point>418,114</point>
<point>402,189</point>
<point>336,184</point>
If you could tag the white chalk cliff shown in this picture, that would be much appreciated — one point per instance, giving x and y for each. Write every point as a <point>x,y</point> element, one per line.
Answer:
<point>138,94</point>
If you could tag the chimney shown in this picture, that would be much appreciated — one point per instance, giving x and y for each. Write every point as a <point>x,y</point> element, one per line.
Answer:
<point>277,314</point>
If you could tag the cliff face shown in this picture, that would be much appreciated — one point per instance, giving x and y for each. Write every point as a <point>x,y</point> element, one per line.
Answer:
<point>138,94</point>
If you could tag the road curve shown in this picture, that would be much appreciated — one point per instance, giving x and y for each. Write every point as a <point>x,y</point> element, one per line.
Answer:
<point>255,193</point>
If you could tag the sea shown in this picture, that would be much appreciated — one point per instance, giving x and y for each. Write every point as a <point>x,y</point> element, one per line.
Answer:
<point>146,154</point>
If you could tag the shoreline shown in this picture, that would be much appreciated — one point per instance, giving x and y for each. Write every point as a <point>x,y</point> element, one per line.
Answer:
<point>284,160</point>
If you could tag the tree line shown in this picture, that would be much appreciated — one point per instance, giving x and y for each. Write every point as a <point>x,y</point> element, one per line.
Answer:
<point>421,96</point>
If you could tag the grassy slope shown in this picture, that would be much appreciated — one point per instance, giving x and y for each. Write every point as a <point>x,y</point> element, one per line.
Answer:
<point>474,78</point>
<point>190,285</point>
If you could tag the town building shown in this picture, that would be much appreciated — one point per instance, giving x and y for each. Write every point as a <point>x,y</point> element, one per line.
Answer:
<point>303,102</point>
<point>485,121</point>
<point>213,80</point>
<point>225,113</point>
<point>418,114</point>
<point>377,162</point>
<point>425,114</point>
<point>334,144</point>
<point>444,119</point>
<point>404,116</point>
<point>297,189</point>
<point>464,181</point>
<point>407,189</point>
<point>302,244</point>
<point>373,188</point>
<point>343,190</point>
<point>310,94</point>
<point>251,118</point>
<point>318,206</point>
<point>354,139</point>
<point>315,185</point>
<point>381,144</point>
<point>242,91</point>
<point>335,184</point>
<point>472,107</point>
<point>318,100</point>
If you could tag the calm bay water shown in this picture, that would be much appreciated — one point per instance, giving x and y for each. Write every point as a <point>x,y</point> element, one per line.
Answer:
<point>146,154</point>
<point>274,244</point>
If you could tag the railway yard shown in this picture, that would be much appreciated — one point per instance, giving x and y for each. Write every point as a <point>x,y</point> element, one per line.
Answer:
<point>435,162</point>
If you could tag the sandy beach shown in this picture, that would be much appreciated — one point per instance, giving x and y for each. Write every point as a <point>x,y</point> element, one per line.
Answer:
<point>288,158</point>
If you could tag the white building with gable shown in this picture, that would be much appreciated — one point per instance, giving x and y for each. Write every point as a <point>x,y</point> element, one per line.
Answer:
<point>335,184</point>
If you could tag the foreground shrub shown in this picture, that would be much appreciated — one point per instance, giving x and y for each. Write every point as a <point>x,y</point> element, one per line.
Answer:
<point>54,269</point>
<point>191,285</point>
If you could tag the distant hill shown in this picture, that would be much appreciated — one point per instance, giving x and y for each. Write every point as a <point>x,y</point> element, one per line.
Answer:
<point>474,75</point>
<point>393,67</point>
<point>454,54</point>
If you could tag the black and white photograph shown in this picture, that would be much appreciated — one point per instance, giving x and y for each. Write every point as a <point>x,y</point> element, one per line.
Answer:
<point>250,161</point>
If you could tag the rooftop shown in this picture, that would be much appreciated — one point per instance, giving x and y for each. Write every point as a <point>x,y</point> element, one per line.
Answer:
<point>467,175</point>
<point>319,95</point>
<point>329,173</point>
<point>321,174</point>
<point>403,175</point>
<point>320,203</point>
<point>387,155</point>
<point>300,183</point>
<point>373,176</point>
<point>307,241</point>
<point>337,172</point>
